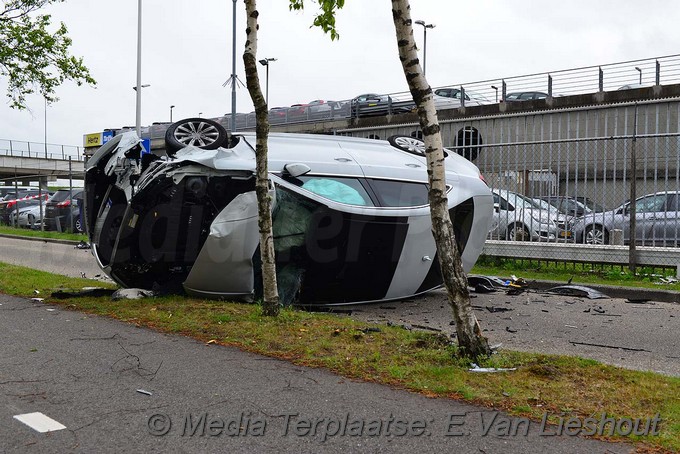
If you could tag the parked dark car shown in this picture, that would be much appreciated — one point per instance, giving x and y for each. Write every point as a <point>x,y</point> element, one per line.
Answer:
<point>62,211</point>
<point>573,206</point>
<point>525,95</point>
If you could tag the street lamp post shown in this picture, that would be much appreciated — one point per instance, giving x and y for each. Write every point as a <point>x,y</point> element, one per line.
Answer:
<point>265,62</point>
<point>171,107</point>
<point>425,27</point>
<point>138,109</point>
<point>640,71</point>
<point>495,88</point>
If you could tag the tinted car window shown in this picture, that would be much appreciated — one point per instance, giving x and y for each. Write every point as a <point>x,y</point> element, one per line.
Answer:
<point>399,193</point>
<point>651,204</point>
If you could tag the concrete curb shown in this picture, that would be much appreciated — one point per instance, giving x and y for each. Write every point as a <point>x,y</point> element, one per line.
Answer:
<point>32,238</point>
<point>637,293</point>
<point>666,296</point>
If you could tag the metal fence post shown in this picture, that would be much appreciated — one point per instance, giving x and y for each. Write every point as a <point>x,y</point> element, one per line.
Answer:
<point>633,192</point>
<point>601,84</point>
<point>549,85</point>
<point>658,73</point>
<point>504,90</point>
<point>462,96</point>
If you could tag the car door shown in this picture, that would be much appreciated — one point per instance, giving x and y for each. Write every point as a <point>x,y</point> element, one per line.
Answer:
<point>665,223</point>
<point>503,214</point>
<point>648,213</point>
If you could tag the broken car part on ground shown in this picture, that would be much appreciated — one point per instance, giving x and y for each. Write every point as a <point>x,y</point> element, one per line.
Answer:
<point>351,216</point>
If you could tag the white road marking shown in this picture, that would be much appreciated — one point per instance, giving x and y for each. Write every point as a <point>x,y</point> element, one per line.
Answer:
<point>40,422</point>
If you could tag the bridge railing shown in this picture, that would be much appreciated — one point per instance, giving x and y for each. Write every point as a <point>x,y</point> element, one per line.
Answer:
<point>22,149</point>
<point>663,70</point>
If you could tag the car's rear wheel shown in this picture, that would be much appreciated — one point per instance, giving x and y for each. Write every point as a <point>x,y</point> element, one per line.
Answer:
<point>596,234</point>
<point>408,144</point>
<point>199,132</point>
<point>78,225</point>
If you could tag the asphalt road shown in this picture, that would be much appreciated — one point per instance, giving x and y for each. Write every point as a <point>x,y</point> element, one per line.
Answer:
<point>114,387</point>
<point>636,336</point>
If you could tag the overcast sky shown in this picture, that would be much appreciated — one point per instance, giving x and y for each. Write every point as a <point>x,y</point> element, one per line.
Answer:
<point>186,51</point>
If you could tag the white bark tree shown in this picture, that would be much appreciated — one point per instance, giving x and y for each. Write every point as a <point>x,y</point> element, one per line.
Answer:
<point>270,302</point>
<point>470,338</point>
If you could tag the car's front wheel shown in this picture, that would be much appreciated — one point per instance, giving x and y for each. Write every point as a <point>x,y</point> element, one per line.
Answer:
<point>199,132</point>
<point>518,232</point>
<point>596,234</point>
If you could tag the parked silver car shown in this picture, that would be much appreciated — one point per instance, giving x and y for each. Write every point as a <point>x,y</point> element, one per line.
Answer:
<point>657,222</point>
<point>521,218</point>
<point>351,216</point>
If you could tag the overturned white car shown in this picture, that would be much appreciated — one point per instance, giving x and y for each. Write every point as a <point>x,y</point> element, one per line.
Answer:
<point>351,216</point>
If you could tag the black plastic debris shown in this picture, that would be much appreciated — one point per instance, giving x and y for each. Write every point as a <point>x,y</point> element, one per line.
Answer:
<point>578,291</point>
<point>90,291</point>
<point>510,330</point>
<point>639,301</point>
<point>82,245</point>
<point>493,309</point>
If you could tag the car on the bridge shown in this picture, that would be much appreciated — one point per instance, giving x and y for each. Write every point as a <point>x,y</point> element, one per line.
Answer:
<point>524,96</point>
<point>351,219</point>
<point>472,98</point>
<point>657,222</point>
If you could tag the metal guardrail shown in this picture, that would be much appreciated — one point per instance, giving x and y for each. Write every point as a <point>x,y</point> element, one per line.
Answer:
<point>22,149</point>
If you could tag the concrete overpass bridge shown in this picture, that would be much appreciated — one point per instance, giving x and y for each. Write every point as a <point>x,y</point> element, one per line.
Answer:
<point>28,162</point>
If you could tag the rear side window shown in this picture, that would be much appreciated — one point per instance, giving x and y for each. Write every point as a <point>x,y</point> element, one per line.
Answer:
<point>399,193</point>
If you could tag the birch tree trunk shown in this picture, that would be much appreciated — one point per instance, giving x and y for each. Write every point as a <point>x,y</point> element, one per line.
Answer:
<point>470,338</point>
<point>270,304</point>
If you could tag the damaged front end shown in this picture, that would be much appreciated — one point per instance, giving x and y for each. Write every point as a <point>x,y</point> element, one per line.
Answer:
<point>149,217</point>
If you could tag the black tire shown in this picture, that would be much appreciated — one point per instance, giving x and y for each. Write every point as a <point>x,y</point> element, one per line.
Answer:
<point>77,225</point>
<point>518,232</point>
<point>408,144</point>
<point>596,234</point>
<point>199,132</point>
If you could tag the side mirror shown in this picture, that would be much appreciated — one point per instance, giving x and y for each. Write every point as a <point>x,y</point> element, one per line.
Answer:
<point>497,207</point>
<point>296,169</point>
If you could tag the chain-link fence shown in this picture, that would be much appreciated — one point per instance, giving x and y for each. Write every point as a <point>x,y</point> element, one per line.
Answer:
<point>562,181</point>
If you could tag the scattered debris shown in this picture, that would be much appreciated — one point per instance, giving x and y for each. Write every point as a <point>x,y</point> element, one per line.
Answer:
<point>82,245</point>
<point>571,326</point>
<point>142,391</point>
<point>38,300</point>
<point>510,330</point>
<point>429,328</point>
<point>371,329</point>
<point>493,309</point>
<point>639,301</point>
<point>599,309</point>
<point>131,294</point>
<point>577,290</point>
<point>87,291</point>
<point>476,368</point>
<point>629,349</point>
<point>211,341</point>
<point>37,292</point>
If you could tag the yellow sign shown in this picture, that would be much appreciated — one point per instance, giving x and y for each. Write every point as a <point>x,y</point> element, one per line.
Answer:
<point>93,140</point>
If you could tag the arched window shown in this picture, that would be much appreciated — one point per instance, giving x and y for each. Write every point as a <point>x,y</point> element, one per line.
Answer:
<point>466,142</point>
